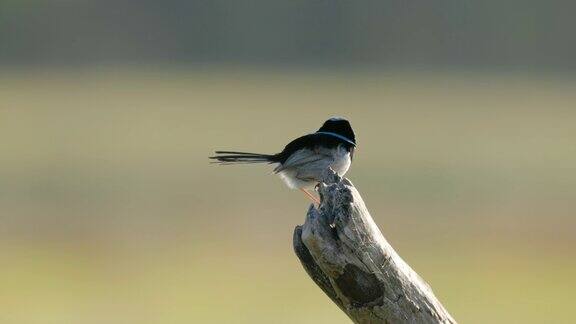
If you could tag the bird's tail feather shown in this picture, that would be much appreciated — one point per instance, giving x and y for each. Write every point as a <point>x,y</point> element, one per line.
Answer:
<point>231,157</point>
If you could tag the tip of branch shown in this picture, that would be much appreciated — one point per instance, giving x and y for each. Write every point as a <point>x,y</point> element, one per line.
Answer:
<point>329,176</point>
<point>334,191</point>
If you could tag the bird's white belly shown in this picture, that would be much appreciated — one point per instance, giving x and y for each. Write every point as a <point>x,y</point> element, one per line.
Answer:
<point>307,174</point>
<point>341,164</point>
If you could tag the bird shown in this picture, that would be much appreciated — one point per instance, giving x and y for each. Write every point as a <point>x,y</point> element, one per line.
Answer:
<point>302,161</point>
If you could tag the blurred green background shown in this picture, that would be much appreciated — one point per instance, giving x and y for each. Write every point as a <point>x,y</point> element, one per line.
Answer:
<point>110,212</point>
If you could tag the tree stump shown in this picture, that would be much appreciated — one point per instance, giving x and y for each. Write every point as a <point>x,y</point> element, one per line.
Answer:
<point>346,255</point>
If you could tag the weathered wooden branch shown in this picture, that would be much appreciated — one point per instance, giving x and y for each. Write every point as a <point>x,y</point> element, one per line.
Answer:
<point>344,252</point>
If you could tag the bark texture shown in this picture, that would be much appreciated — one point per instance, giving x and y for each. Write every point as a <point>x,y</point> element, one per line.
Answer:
<point>346,255</point>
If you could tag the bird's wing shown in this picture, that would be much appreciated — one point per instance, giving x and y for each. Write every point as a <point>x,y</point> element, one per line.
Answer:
<point>300,158</point>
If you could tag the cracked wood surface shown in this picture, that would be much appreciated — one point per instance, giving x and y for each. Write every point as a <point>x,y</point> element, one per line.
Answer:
<point>346,255</point>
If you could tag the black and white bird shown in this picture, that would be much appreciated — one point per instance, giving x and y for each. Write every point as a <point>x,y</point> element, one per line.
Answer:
<point>302,162</point>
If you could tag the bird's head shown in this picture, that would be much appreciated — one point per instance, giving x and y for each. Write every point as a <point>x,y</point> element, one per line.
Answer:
<point>339,126</point>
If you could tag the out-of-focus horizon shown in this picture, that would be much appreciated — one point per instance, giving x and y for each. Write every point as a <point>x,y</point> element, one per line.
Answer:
<point>488,34</point>
<point>110,211</point>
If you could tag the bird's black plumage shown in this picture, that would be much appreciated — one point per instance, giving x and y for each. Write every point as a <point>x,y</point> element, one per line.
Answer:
<point>333,133</point>
<point>340,126</point>
<point>310,141</point>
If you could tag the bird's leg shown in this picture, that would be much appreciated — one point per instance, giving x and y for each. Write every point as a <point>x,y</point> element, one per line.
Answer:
<point>311,196</point>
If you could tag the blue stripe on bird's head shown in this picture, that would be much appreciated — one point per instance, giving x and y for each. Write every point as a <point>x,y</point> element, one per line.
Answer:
<point>339,126</point>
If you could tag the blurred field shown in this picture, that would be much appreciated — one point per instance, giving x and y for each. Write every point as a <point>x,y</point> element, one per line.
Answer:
<point>110,212</point>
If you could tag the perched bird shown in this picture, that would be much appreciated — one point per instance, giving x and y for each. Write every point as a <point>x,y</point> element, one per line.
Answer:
<point>302,161</point>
